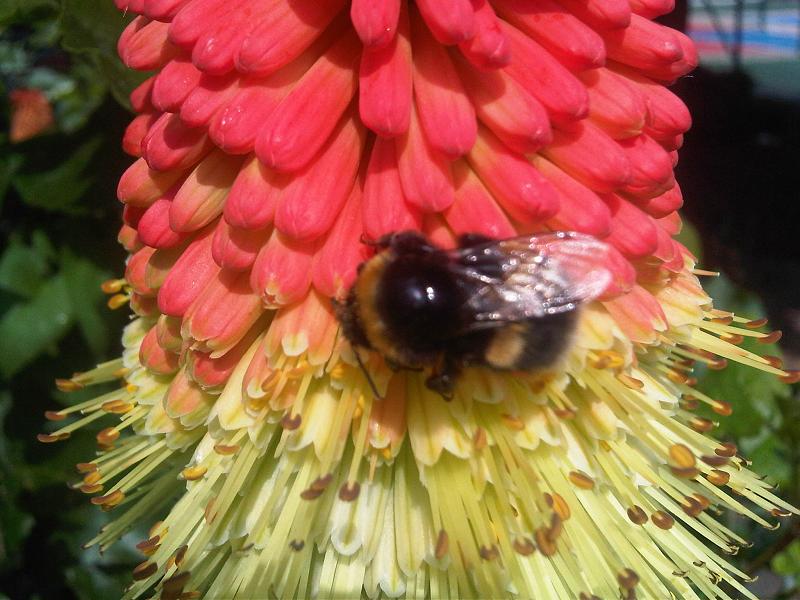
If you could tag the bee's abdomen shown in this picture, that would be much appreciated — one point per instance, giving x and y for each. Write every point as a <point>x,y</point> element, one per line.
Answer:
<point>532,344</point>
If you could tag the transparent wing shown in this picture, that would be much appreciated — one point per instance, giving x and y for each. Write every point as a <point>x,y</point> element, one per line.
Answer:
<point>531,276</point>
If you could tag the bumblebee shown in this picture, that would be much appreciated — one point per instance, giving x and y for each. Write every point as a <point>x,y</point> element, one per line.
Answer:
<point>509,305</point>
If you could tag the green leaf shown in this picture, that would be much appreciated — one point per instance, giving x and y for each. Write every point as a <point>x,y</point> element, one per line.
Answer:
<point>17,10</point>
<point>61,188</point>
<point>15,523</point>
<point>787,563</point>
<point>83,279</point>
<point>22,268</point>
<point>9,165</point>
<point>30,328</point>
<point>91,28</point>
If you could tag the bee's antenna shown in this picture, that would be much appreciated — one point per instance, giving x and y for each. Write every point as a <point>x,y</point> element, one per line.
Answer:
<point>366,374</point>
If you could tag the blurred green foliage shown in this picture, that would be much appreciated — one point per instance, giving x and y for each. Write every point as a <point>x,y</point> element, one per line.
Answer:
<point>58,218</point>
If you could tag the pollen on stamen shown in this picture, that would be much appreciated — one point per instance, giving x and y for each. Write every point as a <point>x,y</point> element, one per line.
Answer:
<point>770,338</point>
<point>581,480</point>
<point>144,570</point>
<point>524,546</point>
<point>291,422</point>
<point>68,385</point>
<point>792,376</point>
<point>117,301</point>
<point>662,520</point>
<point>226,449</point>
<point>112,286</point>
<point>349,492</point>
<point>637,515</point>
<point>442,545</point>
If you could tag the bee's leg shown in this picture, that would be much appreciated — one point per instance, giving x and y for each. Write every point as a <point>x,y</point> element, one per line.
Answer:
<point>397,366</point>
<point>442,381</point>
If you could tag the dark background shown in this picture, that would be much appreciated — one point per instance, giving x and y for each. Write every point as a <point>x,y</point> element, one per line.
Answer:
<point>740,174</point>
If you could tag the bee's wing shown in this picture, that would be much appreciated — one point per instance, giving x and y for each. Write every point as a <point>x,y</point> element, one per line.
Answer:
<point>531,276</point>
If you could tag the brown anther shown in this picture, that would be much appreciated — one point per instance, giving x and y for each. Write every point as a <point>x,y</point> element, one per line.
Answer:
<point>559,505</point>
<point>150,542</point>
<point>715,461</point>
<point>627,579</point>
<point>701,425</point>
<point>727,320</point>
<point>691,381</point>
<point>112,286</point>
<point>599,362</point>
<point>91,489</point>
<point>544,542</point>
<point>479,439</point>
<point>774,361</point>
<point>92,478</point>
<point>556,527</point>
<point>49,438</point>
<point>637,515</point>
<point>86,467</point>
<point>172,587</point>
<point>180,554</point>
<point>488,553</point>
<point>780,513</point>
<point>685,473</point>
<point>677,377</point>
<point>722,408</point>
<point>512,422</point>
<point>349,491</point>
<point>718,364</point>
<point>581,480</point>
<point>117,301</point>
<point>718,477</point>
<point>732,338</point>
<point>771,337</point>
<point>297,545</point>
<point>727,450</point>
<point>792,376</point>
<point>756,323</point>
<point>681,457</point>
<point>144,570</point>
<point>68,385</point>
<point>691,506</point>
<point>662,520</point>
<point>290,423</point>
<point>194,473</point>
<point>109,500</point>
<point>524,546</point>
<point>226,449</point>
<point>107,436</point>
<point>689,403</point>
<point>442,545</point>
<point>704,502</point>
<point>565,413</point>
<point>54,415</point>
<point>312,493</point>
<point>117,407</point>
<point>607,359</point>
<point>630,382</point>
